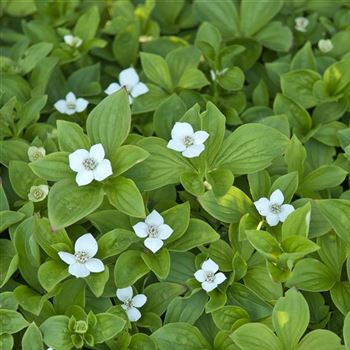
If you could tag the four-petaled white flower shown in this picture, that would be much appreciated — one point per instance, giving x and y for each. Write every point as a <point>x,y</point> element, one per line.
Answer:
<point>71,104</point>
<point>35,153</point>
<point>154,229</point>
<point>129,79</point>
<point>301,24</point>
<point>214,74</point>
<point>90,165</point>
<point>185,140</point>
<point>38,193</point>
<point>325,45</point>
<point>273,208</point>
<point>208,276</point>
<point>82,262</point>
<point>130,303</point>
<point>73,41</point>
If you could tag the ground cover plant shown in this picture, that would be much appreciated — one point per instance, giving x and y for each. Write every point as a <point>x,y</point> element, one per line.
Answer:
<point>175,175</point>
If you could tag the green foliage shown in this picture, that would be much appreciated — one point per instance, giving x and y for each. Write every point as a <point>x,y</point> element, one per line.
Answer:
<point>267,95</point>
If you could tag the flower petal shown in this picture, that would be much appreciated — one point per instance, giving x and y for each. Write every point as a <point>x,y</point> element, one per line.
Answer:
<point>153,244</point>
<point>165,231</point>
<point>113,87</point>
<point>68,258</point>
<point>180,130</point>
<point>200,275</point>
<point>78,270</point>
<point>210,266</point>
<point>81,104</point>
<point>124,293</point>
<point>133,314</point>
<point>272,219</point>
<point>277,197</point>
<point>84,177</point>
<point>97,152</point>
<point>141,229</point>
<point>219,278</point>
<point>262,206</point>
<point>200,137</point>
<point>154,219</point>
<point>68,39</point>
<point>70,97</point>
<point>76,159</point>
<point>286,209</point>
<point>86,243</point>
<point>103,170</point>
<point>128,78</point>
<point>61,106</point>
<point>95,265</point>
<point>193,151</point>
<point>139,89</point>
<point>209,286</point>
<point>176,146</point>
<point>139,300</point>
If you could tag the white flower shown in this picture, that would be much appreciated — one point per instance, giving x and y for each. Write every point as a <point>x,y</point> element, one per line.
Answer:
<point>301,24</point>
<point>217,73</point>
<point>185,140</point>
<point>129,79</point>
<point>325,45</point>
<point>130,303</point>
<point>90,165</point>
<point>208,277</point>
<point>38,193</point>
<point>154,229</point>
<point>35,153</point>
<point>71,104</point>
<point>273,208</point>
<point>73,41</point>
<point>82,262</point>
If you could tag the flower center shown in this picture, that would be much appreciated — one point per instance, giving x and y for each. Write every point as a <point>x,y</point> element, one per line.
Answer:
<point>128,303</point>
<point>71,105</point>
<point>38,193</point>
<point>153,231</point>
<point>275,208</point>
<point>89,164</point>
<point>210,277</point>
<point>37,155</point>
<point>188,141</point>
<point>81,257</point>
<point>80,327</point>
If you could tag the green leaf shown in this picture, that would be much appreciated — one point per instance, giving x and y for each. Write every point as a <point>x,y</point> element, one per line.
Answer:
<point>186,309</point>
<point>251,148</point>
<point>14,321</point>
<point>290,318</point>
<point>51,273</point>
<point>297,222</point>
<point>33,55</point>
<point>337,77</point>
<point>256,336</point>
<point>85,81</point>
<point>159,295</point>
<point>115,242</point>
<point>53,167</point>
<point>337,213</point>
<point>86,26</point>
<point>125,157</point>
<point>68,203</point>
<point>109,125</point>
<point>159,263</point>
<point>346,330</point>
<point>192,79</point>
<point>232,79</point>
<point>123,194</point>
<point>264,243</point>
<point>180,335</point>
<point>55,331</point>
<point>320,339</point>
<point>304,59</point>
<point>156,69</point>
<point>311,275</point>
<point>8,218</point>
<point>228,208</point>
<point>255,15</point>
<point>32,338</point>
<point>140,341</point>
<point>129,268</point>
<point>197,234</point>
<point>340,294</point>
<point>288,184</point>
<point>228,317</point>
<point>13,150</point>
<point>97,282</point>
<point>71,136</point>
